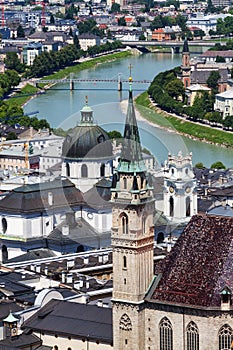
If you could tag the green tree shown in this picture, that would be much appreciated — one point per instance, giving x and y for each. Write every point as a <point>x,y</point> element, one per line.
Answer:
<point>11,136</point>
<point>13,62</point>
<point>14,78</point>
<point>175,88</point>
<point>218,165</point>
<point>199,165</point>
<point>220,59</point>
<point>212,81</point>
<point>121,21</point>
<point>20,32</point>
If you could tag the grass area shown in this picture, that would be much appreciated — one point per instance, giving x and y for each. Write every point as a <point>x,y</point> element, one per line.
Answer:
<point>22,96</point>
<point>180,125</point>
<point>63,73</point>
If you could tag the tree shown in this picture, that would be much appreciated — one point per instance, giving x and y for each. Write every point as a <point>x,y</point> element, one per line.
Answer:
<point>175,88</point>
<point>11,136</point>
<point>218,165</point>
<point>14,78</point>
<point>220,59</point>
<point>199,165</point>
<point>13,62</point>
<point>20,32</point>
<point>115,8</point>
<point>212,81</point>
<point>121,21</point>
<point>52,19</point>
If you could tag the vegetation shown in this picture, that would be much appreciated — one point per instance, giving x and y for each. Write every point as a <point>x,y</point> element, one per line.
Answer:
<point>199,165</point>
<point>166,90</point>
<point>218,165</point>
<point>49,62</point>
<point>180,125</point>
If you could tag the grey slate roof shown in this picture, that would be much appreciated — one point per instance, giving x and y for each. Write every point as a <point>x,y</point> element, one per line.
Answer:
<point>34,198</point>
<point>20,342</point>
<point>73,319</point>
<point>201,76</point>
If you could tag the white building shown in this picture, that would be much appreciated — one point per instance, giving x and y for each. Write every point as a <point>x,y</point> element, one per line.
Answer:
<point>224,103</point>
<point>205,23</point>
<point>88,40</point>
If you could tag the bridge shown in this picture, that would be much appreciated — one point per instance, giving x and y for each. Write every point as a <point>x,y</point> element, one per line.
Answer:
<point>71,81</point>
<point>174,45</point>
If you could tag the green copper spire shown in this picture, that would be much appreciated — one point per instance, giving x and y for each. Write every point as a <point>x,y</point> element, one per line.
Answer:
<point>131,154</point>
<point>86,114</point>
<point>186,46</point>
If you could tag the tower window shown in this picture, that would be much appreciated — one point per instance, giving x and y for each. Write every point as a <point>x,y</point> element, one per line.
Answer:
<point>124,262</point>
<point>124,183</point>
<point>171,202</point>
<point>124,280</point>
<point>84,172</point>
<point>187,203</point>
<point>124,223</point>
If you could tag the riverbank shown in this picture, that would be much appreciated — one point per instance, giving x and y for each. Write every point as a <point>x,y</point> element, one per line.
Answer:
<point>155,116</point>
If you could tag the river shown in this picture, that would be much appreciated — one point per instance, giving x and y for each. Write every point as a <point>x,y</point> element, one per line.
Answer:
<point>61,107</point>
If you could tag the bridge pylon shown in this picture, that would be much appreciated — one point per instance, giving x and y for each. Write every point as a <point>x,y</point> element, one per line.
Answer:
<point>71,82</point>
<point>119,83</point>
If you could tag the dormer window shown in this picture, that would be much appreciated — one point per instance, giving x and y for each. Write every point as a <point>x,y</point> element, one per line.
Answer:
<point>225,298</point>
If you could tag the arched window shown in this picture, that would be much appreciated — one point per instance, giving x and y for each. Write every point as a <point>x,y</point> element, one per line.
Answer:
<point>192,336</point>
<point>55,347</point>
<point>4,225</point>
<point>102,170</point>
<point>67,169</point>
<point>165,332</point>
<point>84,172</point>
<point>187,203</point>
<point>171,202</point>
<point>124,262</point>
<point>124,223</point>
<point>125,323</point>
<point>124,183</point>
<point>225,337</point>
<point>160,237</point>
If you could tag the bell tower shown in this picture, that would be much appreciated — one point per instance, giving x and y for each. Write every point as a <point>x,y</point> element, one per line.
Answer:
<point>132,238</point>
<point>185,67</point>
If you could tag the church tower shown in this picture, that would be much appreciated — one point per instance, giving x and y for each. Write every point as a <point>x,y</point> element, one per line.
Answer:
<point>180,188</point>
<point>132,238</point>
<point>185,67</point>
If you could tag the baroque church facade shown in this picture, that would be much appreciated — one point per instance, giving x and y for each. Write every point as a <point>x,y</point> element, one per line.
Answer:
<point>184,301</point>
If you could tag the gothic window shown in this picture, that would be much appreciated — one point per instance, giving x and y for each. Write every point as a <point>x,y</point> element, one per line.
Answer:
<point>165,330</point>
<point>4,225</point>
<point>124,223</point>
<point>102,170</point>
<point>67,169</point>
<point>124,183</point>
<point>125,323</point>
<point>84,172</point>
<point>143,224</point>
<point>187,203</point>
<point>171,202</point>
<point>192,336</point>
<point>225,337</point>
<point>124,262</point>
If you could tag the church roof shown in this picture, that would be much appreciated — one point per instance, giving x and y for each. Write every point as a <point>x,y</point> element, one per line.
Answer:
<point>199,266</point>
<point>34,198</point>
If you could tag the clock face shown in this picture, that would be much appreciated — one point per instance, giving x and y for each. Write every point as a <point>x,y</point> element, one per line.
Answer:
<point>188,189</point>
<point>90,216</point>
<point>171,189</point>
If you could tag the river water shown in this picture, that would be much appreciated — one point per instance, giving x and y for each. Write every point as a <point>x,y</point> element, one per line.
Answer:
<point>61,107</point>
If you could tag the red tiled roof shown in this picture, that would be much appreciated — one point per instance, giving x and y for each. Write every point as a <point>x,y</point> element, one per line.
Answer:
<point>228,53</point>
<point>200,264</point>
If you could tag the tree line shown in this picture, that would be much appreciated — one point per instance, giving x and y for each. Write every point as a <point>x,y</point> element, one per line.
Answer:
<point>169,93</point>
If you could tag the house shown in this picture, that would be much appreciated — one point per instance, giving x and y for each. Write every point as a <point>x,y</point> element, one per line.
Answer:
<point>88,40</point>
<point>210,56</point>
<point>224,103</point>
<point>193,90</point>
<point>30,52</point>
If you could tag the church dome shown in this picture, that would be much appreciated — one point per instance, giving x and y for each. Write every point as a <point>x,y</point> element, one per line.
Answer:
<point>87,140</point>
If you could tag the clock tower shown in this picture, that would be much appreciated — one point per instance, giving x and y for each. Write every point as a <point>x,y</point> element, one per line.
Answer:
<point>185,67</point>
<point>180,195</point>
<point>132,238</point>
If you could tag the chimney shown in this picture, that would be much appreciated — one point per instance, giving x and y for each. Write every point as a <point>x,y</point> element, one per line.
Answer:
<point>100,303</point>
<point>86,260</point>
<point>63,277</point>
<point>46,270</point>
<point>50,198</point>
<point>69,278</point>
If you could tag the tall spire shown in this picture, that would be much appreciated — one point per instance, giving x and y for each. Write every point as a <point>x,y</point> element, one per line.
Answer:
<point>131,148</point>
<point>185,46</point>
